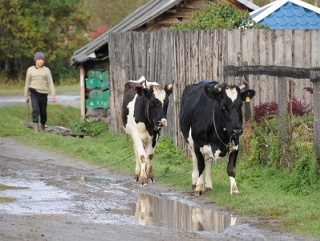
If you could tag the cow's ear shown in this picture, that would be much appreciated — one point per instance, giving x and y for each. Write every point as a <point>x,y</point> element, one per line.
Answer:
<point>212,93</point>
<point>168,89</point>
<point>139,89</point>
<point>142,91</point>
<point>247,95</point>
<point>147,92</point>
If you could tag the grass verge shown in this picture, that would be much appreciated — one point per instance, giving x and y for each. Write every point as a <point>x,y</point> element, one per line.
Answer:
<point>18,89</point>
<point>262,189</point>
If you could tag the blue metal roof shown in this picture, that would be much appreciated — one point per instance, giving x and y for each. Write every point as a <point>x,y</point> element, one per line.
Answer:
<point>288,14</point>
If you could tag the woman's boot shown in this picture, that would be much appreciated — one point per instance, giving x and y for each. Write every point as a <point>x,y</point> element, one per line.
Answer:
<point>42,127</point>
<point>35,127</point>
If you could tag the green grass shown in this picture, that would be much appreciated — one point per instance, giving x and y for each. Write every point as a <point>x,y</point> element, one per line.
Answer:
<point>263,190</point>
<point>18,89</point>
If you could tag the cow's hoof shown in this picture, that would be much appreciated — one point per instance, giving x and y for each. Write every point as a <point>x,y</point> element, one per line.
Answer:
<point>193,187</point>
<point>151,180</point>
<point>143,182</point>
<point>198,193</point>
<point>136,178</point>
<point>235,192</point>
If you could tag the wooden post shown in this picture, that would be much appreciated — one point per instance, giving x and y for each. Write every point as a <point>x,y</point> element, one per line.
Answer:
<point>82,93</point>
<point>283,109</point>
<point>247,105</point>
<point>315,78</point>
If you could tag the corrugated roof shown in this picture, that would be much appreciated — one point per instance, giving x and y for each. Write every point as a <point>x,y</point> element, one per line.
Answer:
<point>136,19</point>
<point>288,14</point>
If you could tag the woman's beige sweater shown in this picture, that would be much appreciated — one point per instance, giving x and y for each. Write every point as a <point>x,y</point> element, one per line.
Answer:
<point>39,79</point>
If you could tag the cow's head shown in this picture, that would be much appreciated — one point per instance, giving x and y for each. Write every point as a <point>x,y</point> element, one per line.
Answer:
<point>158,101</point>
<point>230,99</point>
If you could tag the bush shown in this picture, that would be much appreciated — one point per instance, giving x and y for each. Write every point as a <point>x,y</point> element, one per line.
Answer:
<point>263,146</point>
<point>219,15</point>
<point>265,109</point>
<point>90,128</point>
<point>298,109</point>
<point>270,109</point>
<point>304,177</point>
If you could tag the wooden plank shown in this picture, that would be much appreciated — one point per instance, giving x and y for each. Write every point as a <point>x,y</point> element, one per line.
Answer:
<point>233,53</point>
<point>60,130</point>
<point>272,70</point>
<point>266,57</point>
<point>215,36</point>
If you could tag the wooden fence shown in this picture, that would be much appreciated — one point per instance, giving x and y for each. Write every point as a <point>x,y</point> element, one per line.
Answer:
<point>185,57</point>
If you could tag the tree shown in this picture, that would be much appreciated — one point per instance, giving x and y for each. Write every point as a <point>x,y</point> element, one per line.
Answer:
<point>218,15</point>
<point>56,27</point>
<point>10,27</point>
<point>109,13</point>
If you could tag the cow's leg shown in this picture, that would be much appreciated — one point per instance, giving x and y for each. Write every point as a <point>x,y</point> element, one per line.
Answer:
<point>208,157</point>
<point>201,165</point>
<point>141,160</point>
<point>150,152</point>
<point>195,171</point>
<point>231,169</point>
<point>137,169</point>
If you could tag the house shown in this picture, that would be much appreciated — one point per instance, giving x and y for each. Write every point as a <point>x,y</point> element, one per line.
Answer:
<point>152,16</point>
<point>288,14</point>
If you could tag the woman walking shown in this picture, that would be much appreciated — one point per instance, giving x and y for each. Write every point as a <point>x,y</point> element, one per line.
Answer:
<point>38,82</point>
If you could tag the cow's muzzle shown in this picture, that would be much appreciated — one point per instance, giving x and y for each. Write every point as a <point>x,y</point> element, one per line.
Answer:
<point>237,132</point>
<point>163,122</point>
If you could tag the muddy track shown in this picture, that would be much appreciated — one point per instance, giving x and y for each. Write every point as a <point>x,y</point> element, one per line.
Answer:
<point>46,196</point>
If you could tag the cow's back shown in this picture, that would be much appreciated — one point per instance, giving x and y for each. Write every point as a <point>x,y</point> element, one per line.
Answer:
<point>128,95</point>
<point>195,106</point>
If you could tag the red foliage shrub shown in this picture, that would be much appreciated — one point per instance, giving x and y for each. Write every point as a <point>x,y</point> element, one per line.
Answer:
<point>298,109</point>
<point>265,109</point>
<point>271,108</point>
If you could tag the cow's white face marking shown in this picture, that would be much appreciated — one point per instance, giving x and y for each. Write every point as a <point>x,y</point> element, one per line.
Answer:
<point>232,93</point>
<point>159,93</point>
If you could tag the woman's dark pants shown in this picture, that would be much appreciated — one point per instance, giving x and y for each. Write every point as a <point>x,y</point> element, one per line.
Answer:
<point>39,107</point>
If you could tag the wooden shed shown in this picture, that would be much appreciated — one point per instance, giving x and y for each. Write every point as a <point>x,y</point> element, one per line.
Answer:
<point>153,16</point>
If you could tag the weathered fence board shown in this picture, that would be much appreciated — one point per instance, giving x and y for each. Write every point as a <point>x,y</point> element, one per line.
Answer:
<point>186,57</point>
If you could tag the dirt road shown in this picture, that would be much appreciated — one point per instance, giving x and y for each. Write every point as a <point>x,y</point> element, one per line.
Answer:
<point>46,196</point>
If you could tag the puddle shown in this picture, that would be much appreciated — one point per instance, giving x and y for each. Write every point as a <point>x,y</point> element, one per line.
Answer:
<point>88,179</point>
<point>4,187</point>
<point>20,196</point>
<point>150,210</point>
<point>8,199</point>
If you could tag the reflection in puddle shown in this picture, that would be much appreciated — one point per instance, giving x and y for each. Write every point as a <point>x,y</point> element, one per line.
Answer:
<point>150,210</point>
<point>8,199</point>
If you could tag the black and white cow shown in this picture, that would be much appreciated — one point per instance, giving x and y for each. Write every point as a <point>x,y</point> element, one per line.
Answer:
<point>211,123</point>
<point>144,113</point>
